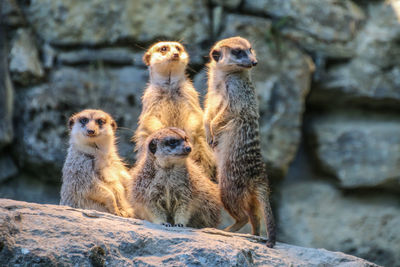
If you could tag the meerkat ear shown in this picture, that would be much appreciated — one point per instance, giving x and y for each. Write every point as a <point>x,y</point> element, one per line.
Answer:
<point>146,58</point>
<point>153,146</point>
<point>71,122</point>
<point>215,54</point>
<point>114,125</point>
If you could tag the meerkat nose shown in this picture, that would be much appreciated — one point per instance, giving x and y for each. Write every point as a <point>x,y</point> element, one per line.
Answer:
<point>176,55</point>
<point>254,63</point>
<point>90,132</point>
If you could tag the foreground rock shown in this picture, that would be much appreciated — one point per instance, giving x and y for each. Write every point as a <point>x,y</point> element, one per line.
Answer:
<point>316,214</point>
<point>56,235</point>
<point>360,150</point>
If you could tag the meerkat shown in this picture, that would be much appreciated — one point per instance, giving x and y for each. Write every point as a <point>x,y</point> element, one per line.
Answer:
<point>169,188</point>
<point>170,100</point>
<point>94,176</point>
<point>232,129</point>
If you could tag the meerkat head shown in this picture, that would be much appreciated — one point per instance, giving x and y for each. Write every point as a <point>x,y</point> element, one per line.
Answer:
<point>91,128</point>
<point>233,54</point>
<point>169,146</point>
<point>167,58</point>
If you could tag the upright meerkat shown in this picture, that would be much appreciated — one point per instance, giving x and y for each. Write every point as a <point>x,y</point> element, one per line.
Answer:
<point>94,176</point>
<point>231,122</point>
<point>169,188</point>
<point>170,100</point>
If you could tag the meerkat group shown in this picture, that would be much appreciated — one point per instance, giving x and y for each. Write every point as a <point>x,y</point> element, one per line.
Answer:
<point>190,163</point>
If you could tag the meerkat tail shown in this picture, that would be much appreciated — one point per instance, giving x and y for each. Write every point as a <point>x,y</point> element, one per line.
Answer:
<point>263,197</point>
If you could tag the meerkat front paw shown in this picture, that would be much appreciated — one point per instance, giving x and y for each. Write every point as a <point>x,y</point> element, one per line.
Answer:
<point>167,224</point>
<point>126,212</point>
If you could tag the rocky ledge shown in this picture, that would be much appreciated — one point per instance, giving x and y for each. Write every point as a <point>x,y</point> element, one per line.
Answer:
<point>49,235</point>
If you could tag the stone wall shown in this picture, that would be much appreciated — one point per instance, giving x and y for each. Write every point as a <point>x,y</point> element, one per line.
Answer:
<point>328,81</point>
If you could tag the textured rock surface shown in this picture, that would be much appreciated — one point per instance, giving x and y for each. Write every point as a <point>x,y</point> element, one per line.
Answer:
<point>372,77</point>
<point>310,22</point>
<point>7,167</point>
<point>361,151</point>
<point>282,79</point>
<point>316,214</point>
<point>57,235</point>
<point>6,94</point>
<point>44,110</point>
<point>60,22</point>
<point>25,66</point>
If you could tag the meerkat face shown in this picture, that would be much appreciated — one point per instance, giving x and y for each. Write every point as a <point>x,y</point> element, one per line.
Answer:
<point>169,146</point>
<point>233,54</point>
<point>90,126</point>
<point>167,58</point>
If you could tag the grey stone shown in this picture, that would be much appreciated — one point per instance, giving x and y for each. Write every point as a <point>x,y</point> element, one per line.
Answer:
<point>372,77</point>
<point>282,79</point>
<point>48,55</point>
<point>7,167</point>
<point>326,27</point>
<point>10,13</point>
<point>6,94</point>
<point>99,21</point>
<point>360,149</point>
<point>316,214</point>
<point>59,235</point>
<point>25,66</point>
<point>119,56</point>
<point>41,130</point>
<point>232,4</point>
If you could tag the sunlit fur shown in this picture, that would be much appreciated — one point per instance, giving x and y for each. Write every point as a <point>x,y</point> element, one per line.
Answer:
<point>170,100</point>
<point>169,188</point>
<point>231,122</point>
<point>94,176</point>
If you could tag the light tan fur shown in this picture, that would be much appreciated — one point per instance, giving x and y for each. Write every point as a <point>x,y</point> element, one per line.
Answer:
<point>169,188</point>
<point>170,100</point>
<point>94,176</point>
<point>231,122</point>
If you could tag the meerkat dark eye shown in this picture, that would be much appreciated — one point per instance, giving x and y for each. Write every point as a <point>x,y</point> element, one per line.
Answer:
<point>178,48</point>
<point>239,53</point>
<point>83,120</point>
<point>100,122</point>
<point>172,142</point>
<point>163,48</point>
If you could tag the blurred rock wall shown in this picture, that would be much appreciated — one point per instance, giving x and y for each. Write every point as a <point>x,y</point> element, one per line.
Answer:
<point>328,81</point>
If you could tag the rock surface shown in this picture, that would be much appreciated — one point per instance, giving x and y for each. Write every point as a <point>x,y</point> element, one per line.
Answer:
<point>282,79</point>
<point>25,66</point>
<point>372,77</point>
<point>361,151</point>
<point>314,214</point>
<point>44,110</point>
<point>58,235</point>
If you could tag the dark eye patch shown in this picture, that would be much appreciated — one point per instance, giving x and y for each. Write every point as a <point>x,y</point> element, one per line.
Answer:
<point>173,142</point>
<point>164,48</point>
<point>83,120</point>
<point>239,53</point>
<point>100,122</point>
<point>178,48</point>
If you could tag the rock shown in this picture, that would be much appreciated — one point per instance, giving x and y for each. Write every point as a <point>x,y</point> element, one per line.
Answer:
<point>41,133</point>
<point>282,79</point>
<point>326,27</point>
<point>360,150</point>
<point>60,22</point>
<point>118,56</point>
<point>315,214</point>
<point>231,4</point>
<point>59,235</point>
<point>25,66</point>
<point>10,13</point>
<point>6,94</point>
<point>373,76</point>
<point>48,56</point>
<point>7,168</point>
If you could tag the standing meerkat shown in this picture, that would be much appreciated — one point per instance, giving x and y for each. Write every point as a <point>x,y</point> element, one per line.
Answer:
<point>231,122</point>
<point>169,188</point>
<point>94,176</point>
<point>170,100</point>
